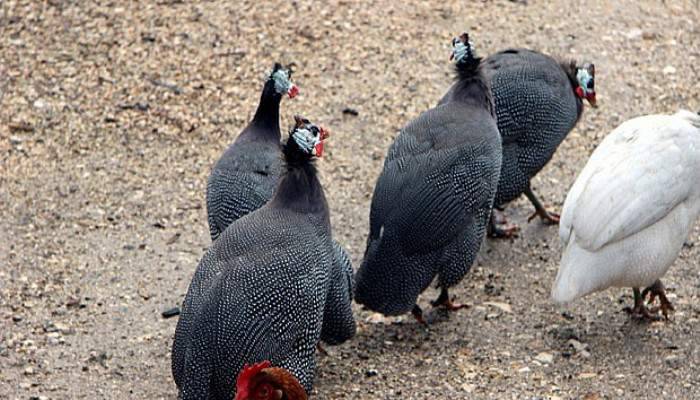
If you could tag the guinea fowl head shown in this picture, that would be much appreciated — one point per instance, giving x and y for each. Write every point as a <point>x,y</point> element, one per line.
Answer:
<point>261,381</point>
<point>279,81</point>
<point>464,54</point>
<point>585,79</point>
<point>305,141</point>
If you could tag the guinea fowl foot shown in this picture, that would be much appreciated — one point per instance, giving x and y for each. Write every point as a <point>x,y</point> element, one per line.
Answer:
<point>547,217</point>
<point>658,290</point>
<point>418,315</point>
<point>502,231</point>
<point>444,301</point>
<point>640,311</point>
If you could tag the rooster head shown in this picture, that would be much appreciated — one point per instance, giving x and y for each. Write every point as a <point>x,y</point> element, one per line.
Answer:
<point>262,381</point>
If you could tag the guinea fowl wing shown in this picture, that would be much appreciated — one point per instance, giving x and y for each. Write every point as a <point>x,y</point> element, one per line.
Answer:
<point>338,320</point>
<point>430,178</point>
<point>632,180</point>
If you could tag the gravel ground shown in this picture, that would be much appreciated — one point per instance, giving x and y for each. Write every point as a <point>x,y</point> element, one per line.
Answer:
<point>112,113</point>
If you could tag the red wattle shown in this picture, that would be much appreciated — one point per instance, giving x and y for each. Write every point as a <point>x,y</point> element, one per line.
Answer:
<point>293,91</point>
<point>579,92</point>
<point>319,150</point>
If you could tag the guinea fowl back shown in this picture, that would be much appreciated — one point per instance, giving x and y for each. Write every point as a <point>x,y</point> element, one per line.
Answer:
<point>250,296</point>
<point>535,107</point>
<point>442,170</point>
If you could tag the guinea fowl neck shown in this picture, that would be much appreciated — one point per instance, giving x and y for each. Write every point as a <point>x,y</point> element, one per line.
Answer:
<point>472,87</point>
<point>267,116</point>
<point>299,189</point>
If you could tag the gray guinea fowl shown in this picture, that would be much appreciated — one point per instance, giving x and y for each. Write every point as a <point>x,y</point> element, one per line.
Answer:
<point>246,175</point>
<point>433,199</point>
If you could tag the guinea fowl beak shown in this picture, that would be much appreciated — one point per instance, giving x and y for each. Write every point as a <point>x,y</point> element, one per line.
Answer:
<point>293,91</point>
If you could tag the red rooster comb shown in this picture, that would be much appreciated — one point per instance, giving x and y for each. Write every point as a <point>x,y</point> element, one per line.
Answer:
<point>246,374</point>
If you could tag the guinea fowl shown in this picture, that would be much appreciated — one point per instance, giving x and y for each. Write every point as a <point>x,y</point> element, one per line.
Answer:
<point>245,177</point>
<point>630,210</point>
<point>441,171</point>
<point>538,102</point>
<point>266,291</point>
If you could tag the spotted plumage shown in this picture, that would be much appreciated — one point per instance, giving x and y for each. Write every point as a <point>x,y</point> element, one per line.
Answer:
<point>432,201</point>
<point>246,175</point>
<point>536,107</point>
<point>268,289</point>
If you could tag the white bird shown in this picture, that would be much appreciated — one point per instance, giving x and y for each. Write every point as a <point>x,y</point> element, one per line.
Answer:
<point>630,210</point>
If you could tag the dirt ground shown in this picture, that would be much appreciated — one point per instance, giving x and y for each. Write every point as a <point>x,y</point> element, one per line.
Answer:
<point>112,113</point>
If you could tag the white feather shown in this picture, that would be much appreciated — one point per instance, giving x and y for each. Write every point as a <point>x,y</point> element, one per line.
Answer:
<point>632,206</point>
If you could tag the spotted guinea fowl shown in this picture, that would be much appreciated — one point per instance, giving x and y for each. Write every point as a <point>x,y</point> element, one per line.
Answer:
<point>630,210</point>
<point>538,102</point>
<point>432,201</point>
<point>245,176</point>
<point>268,289</point>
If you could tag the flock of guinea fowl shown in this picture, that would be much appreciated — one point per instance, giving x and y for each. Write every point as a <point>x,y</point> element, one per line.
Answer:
<point>274,283</point>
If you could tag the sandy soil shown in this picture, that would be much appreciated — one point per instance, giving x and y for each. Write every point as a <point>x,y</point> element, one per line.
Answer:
<point>112,113</point>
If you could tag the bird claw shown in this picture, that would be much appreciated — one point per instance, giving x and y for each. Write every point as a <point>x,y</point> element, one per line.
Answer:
<point>418,315</point>
<point>549,218</point>
<point>664,306</point>
<point>505,231</point>
<point>642,313</point>
<point>657,290</point>
<point>446,302</point>
<point>448,305</point>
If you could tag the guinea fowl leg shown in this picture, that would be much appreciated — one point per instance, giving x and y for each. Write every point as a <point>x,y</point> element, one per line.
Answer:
<point>418,315</point>
<point>444,301</point>
<point>640,311</point>
<point>546,216</point>
<point>321,349</point>
<point>658,290</point>
<point>498,227</point>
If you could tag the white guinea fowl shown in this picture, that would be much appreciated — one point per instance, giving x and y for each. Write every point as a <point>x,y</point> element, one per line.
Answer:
<point>631,208</point>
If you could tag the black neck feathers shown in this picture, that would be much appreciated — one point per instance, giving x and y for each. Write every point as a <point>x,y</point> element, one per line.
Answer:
<point>267,116</point>
<point>299,189</point>
<point>472,86</point>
